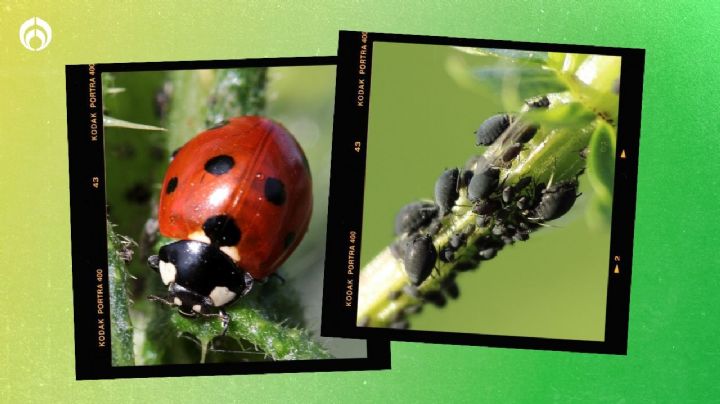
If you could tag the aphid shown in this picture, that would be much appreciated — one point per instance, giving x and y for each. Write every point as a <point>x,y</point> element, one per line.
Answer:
<point>538,102</point>
<point>483,221</point>
<point>499,229</point>
<point>420,257</point>
<point>435,297</point>
<point>394,295</point>
<point>487,253</point>
<point>413,309</point>
<point>463,266</point>
<point>491,129</point>
<point>450,287</point>
<point>415,215</point>
<point>446,254</point>
<point>400,325</point>
<point>483,183</point>
<point>434,227</point>
<point>512,152</point>
<point>508,194</point>
<point>520,236</point>
<point>527,133</point>
<point>556,200</point>
<point>456,240</point>
<point>485,207</point>
<point>507,240</point>
<point>446,190</point>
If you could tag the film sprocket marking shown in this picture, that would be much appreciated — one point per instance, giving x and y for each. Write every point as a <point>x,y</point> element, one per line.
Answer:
<point>508,171</point>
<point>122,168</point>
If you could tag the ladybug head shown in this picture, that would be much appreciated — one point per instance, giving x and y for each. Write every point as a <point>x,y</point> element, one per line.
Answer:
<point>201,269</point>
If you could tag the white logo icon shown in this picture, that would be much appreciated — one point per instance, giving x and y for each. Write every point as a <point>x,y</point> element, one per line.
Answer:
<point>34,28</point>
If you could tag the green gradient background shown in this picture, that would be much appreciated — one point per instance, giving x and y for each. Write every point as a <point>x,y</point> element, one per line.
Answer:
<point>673,351</point>
<point>552,287</point>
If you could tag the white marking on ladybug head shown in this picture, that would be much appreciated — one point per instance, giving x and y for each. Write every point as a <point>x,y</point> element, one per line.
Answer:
<point>177,301</point>
<point>232,252</point>
<point>221,296</point>
<point>196,308</point>
<point>199,236</point>
<point>167,272</point>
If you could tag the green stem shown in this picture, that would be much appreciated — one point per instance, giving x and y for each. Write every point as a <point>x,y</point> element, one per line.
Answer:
<point>121,330</point>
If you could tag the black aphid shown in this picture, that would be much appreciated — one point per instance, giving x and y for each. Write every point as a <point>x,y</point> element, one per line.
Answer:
<point>491,129</point>
<point>538,102</point>
<point>420,257</point>
<point>512,152</point>
<point>483,183</point>
<point>486,207</point>
<point>446,190</point>
<point>557,200</point>
<point>435,297</point>
<point>487,253</point>
<point>415,215</point>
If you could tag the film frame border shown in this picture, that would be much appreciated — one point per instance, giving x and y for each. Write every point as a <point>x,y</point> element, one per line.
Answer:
<point>347,182</point>
<point>86,155</point>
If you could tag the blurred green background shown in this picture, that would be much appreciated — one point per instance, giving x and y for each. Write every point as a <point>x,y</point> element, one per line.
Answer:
<point>673,352</point>
<point>421,122</point>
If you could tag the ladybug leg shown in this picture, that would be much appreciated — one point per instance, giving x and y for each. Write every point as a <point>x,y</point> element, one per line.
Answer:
<point>249,282</point>
<point>164,300</point>
<point>225,321</point>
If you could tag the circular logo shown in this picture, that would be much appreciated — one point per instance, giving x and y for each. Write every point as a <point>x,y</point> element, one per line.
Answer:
<point>35,34</point>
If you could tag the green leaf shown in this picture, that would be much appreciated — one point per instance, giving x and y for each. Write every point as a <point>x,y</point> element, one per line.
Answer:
<point>519,82</point>
<point>573,115</point>
<point>535,57</point>
<point>601,161</point>
<point>110,122</point>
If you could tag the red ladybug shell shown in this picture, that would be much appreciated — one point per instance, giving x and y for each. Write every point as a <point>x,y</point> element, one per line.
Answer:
<point>244,186</point>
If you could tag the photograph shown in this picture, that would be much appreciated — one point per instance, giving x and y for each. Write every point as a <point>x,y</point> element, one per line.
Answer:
<point>216,186</point>
<point>489,191</point>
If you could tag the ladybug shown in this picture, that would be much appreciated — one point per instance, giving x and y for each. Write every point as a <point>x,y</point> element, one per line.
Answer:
<point>238,197</point>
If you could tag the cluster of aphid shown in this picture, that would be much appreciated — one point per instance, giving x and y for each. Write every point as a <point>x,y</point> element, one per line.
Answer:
<point>503,213</point>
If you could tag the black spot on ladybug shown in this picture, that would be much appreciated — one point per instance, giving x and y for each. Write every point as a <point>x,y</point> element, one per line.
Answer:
<point>289,238</point>
<point>491,129</point>
<point>174,153</point>
<point>172,184</point>
<point>222,230</point>
<point>274,191</point>
<point>219,124</point>
<point>139,193</point>
<point>219,165</point>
